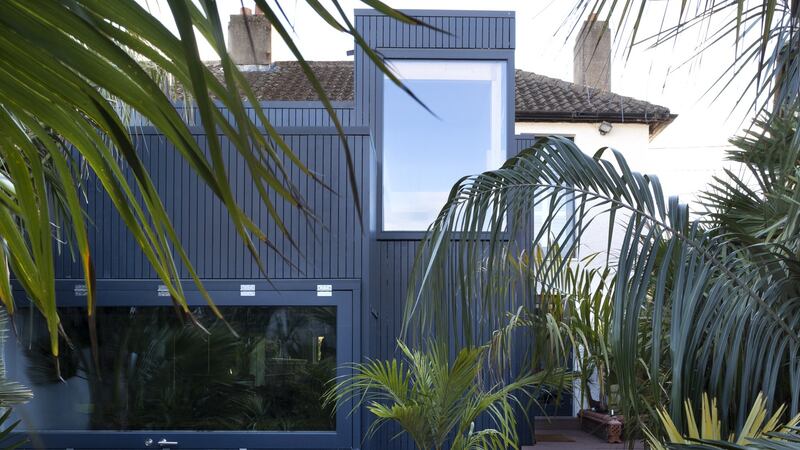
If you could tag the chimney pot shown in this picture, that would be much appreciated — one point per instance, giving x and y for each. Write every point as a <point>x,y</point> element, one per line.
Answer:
<point>592,58</point>
<point>249,40</point>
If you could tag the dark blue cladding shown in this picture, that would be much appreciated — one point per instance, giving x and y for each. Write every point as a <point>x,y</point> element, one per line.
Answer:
<point>335,247</point>
<point>329,247</point>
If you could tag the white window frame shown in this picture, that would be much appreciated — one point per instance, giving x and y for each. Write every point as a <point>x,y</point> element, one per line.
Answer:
<point>493,70</point>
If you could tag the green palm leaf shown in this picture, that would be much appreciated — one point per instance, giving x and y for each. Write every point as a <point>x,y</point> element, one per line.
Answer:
<point>765,33</point>
<point>70,71</point>
<point>691,313</point>
<point>434,398</point>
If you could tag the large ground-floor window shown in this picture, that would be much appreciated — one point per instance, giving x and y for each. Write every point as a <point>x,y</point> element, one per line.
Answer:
<point>254,379</point>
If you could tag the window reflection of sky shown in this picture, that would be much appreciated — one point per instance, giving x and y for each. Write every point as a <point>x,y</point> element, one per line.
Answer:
<point>424,155</point>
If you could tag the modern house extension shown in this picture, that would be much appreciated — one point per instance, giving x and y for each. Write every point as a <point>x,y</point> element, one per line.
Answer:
<point>335,294</point>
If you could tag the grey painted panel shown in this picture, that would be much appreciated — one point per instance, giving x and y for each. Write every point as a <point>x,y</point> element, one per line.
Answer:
<point>306,114</point>
<point>395,261</point>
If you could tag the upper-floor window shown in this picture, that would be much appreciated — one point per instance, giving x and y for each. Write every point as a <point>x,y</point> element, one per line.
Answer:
<point>425,153</point>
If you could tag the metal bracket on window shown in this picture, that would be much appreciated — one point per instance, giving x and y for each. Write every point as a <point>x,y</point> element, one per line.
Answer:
<point>80,290</point>
<point>247,290</point>
<point>324,290</point>
<point>163,443</point>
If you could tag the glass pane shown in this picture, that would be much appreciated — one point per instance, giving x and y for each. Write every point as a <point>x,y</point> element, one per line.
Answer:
<point>158,372</point>
<point>562,204</point>
<point>424,154</point>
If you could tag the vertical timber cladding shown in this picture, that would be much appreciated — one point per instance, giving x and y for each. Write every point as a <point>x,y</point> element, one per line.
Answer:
<point>463,31</point>
<point>330,247</point>
<point>391,259</point>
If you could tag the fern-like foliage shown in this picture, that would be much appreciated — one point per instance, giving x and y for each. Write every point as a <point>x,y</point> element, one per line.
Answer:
<point>436,400</point>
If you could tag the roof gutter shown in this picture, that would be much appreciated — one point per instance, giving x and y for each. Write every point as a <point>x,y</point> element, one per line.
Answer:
<point>657,123</point>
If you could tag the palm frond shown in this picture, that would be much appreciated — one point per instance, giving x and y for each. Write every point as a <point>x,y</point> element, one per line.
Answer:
<point>760,430</point>
<point>434,398</point>
<point>690,313</point>
<point>11,392</point>
<point>72,72</point>
<point>7,440</point>
<point>766,49</point>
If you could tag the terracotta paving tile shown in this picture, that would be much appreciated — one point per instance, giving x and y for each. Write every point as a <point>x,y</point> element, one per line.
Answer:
<point>580,441</point>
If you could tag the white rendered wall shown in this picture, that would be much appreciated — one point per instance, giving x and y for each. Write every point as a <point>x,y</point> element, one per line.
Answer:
<point>630,139</point>
<point>683,172</point>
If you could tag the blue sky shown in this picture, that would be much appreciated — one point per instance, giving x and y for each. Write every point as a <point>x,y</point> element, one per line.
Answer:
<point>456,141</point>
<point>453,144</point>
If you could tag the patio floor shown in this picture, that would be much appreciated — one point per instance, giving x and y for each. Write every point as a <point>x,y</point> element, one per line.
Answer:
<point>562,434</point>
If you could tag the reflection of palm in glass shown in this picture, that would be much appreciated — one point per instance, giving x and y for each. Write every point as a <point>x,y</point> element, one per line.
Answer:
<point>157,372</point>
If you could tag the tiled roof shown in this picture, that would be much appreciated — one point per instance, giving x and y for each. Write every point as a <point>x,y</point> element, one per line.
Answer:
<point>285,80</point>
<point>541,98</point>
<point>538,98</point>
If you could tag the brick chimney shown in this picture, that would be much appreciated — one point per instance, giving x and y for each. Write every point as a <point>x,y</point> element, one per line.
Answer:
<point>249,39</point>
<point>592,63</point>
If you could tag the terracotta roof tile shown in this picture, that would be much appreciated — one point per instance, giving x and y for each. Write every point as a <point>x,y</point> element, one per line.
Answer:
<point>538,98</point>
<point>285,80</point>
<point>545,96</point>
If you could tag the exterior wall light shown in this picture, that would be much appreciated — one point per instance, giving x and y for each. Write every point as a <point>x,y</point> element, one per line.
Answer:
<point>605,128</point>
